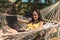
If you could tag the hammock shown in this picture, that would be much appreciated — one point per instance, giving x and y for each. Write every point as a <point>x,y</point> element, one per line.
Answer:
<point>50,14</point>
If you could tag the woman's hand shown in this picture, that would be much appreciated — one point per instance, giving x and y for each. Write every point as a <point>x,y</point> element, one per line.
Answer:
<point>22,29</point>
<point>19,19</point>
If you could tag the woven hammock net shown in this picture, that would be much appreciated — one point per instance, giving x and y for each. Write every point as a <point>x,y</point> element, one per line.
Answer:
<point>52,12</point>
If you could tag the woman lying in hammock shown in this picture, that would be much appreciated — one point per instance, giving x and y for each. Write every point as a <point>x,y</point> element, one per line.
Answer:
<point>36,22</point>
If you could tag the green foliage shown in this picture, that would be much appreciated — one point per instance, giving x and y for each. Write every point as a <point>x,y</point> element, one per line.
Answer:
<point>22,6</point>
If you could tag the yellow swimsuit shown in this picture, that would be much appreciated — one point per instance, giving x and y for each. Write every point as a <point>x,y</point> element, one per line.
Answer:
<point>32,26</point>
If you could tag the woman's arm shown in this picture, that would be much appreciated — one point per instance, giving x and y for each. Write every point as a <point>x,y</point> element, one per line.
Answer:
<point>41,24</point>
<point>21,20</point>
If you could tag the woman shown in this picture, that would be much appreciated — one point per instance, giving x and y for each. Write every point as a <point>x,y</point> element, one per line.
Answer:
<point>36,22</point>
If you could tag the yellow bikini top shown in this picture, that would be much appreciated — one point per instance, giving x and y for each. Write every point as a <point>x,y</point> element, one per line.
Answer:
<point>32,26</point>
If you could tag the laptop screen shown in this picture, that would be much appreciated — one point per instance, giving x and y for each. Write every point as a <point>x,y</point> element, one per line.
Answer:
<point>11,20</point>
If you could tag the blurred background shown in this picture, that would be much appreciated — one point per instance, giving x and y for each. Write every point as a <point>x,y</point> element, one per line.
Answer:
<point>23,6</point>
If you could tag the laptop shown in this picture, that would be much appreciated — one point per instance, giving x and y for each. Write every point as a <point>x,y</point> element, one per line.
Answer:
<point>11,20</point>
<point>13,23</point>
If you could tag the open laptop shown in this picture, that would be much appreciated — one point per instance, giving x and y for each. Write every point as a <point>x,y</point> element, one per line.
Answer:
<point>13,23</point>
<point>11,20</point>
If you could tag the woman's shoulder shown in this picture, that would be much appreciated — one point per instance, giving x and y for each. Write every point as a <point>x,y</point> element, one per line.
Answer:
<point>41,22</point>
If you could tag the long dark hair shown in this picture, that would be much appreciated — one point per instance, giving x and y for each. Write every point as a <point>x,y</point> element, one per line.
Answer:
<point>39,16</point>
